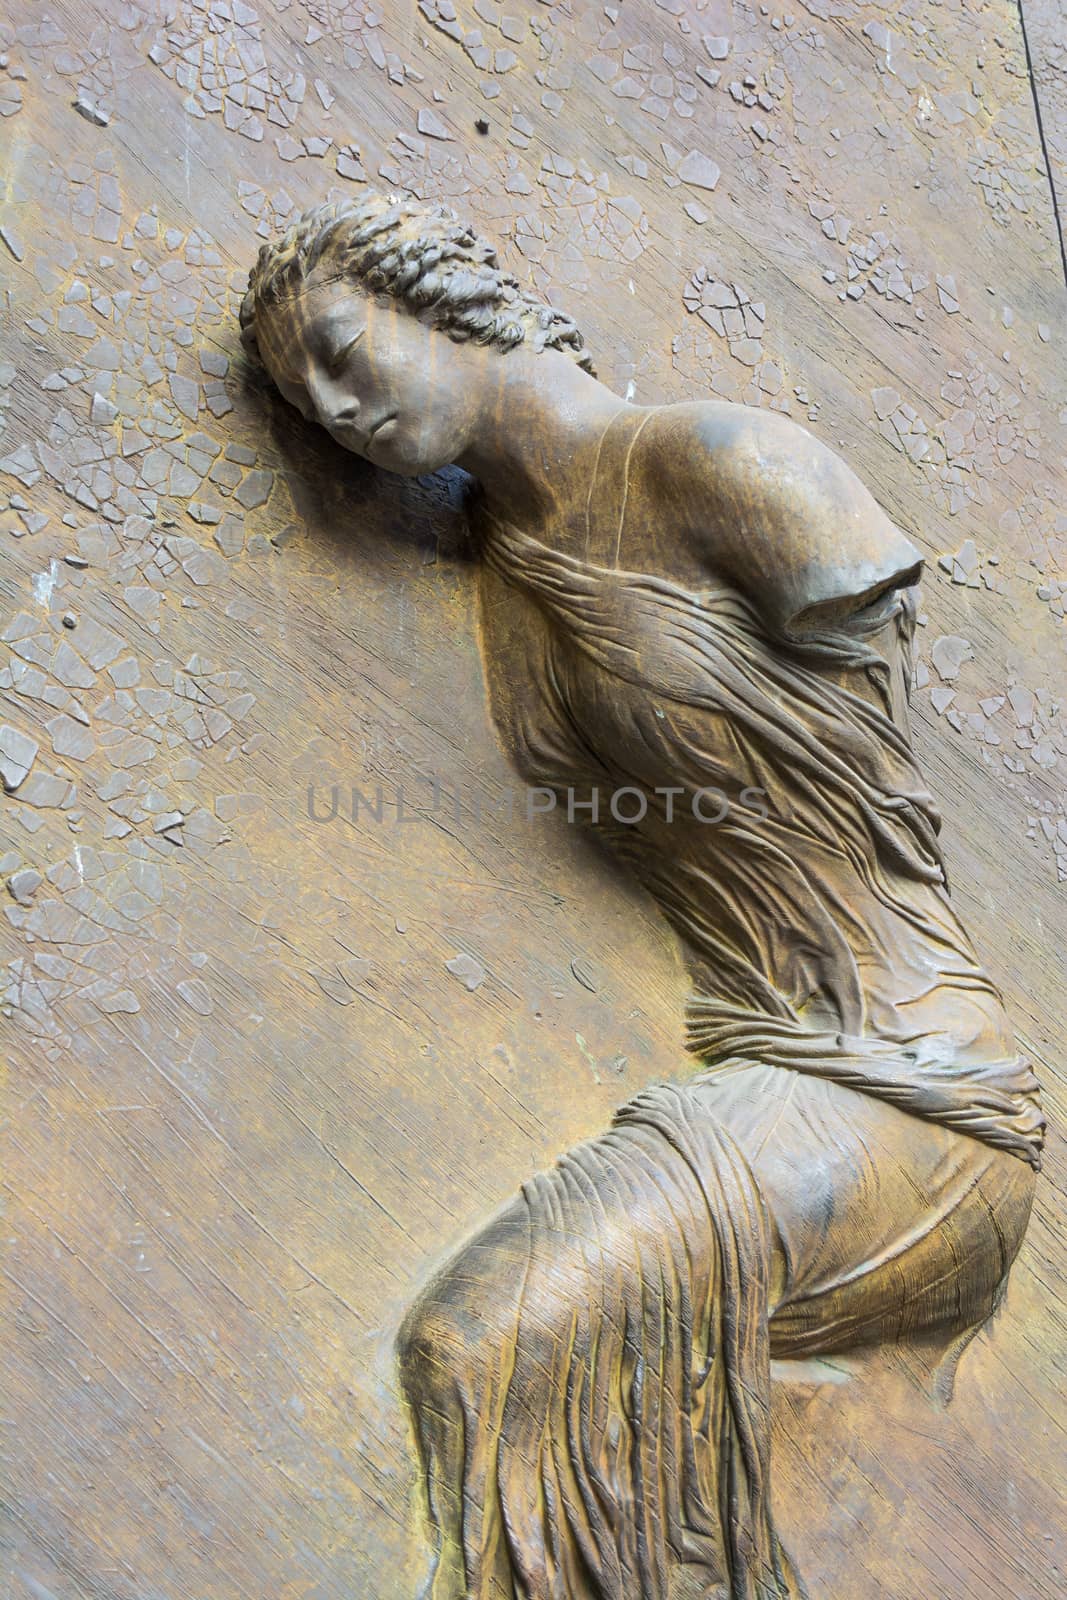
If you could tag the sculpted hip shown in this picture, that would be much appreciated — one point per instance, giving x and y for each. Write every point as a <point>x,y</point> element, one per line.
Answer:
<point>886,1225</point>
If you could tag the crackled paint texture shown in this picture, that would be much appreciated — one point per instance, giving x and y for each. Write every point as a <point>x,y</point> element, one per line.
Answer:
<point>264,1071</point>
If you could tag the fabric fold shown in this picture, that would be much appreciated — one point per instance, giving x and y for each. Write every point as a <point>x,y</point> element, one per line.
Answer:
<point>626,1454</point>
<point>995,1101</point>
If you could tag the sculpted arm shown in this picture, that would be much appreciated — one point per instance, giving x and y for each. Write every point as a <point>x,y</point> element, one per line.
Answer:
<point>773,511</point>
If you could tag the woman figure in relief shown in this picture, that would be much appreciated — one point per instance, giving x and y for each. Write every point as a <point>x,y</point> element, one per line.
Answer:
<point>675,599</point>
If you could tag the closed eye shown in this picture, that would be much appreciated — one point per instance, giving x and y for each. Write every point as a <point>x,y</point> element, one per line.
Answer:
<point>341,355</point>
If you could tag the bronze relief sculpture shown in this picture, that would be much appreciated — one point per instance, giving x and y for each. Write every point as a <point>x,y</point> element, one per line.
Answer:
<point>678,601</point>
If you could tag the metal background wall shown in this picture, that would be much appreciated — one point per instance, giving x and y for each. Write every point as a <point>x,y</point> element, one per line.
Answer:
<point>252,1096</point>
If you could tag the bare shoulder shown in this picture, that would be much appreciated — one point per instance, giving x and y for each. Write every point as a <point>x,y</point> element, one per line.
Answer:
<point>769,506</point>
<point>761,458</point>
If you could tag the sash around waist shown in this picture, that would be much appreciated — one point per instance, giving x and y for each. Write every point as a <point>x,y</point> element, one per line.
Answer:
<point>995,1102</point>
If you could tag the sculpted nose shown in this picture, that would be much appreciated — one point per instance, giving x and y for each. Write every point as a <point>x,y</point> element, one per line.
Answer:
<point>348,412</point>
<point>332,406</point>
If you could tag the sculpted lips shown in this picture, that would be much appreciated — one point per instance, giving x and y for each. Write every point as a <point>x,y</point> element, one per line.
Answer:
<point>378,426</point>
<point>351,437</point>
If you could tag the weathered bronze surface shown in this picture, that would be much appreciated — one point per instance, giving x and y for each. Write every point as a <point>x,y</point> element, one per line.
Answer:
<point>266,1072</point>
<point>697,627</point>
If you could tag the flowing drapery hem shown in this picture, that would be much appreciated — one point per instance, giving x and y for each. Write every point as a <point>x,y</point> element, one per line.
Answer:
<point>616,1445</point>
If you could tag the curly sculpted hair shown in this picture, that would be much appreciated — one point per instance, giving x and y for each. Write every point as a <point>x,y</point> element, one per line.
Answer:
<point>421,255</point>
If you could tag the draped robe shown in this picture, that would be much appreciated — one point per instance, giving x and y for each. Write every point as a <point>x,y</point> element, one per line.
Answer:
<point>852,1159</point>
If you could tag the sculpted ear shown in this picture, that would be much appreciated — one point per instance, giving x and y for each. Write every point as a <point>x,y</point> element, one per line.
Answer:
<point>247,318</point>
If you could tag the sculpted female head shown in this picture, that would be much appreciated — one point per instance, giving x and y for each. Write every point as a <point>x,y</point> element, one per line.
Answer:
<point>366,314</point>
